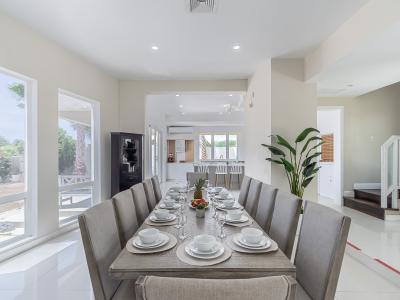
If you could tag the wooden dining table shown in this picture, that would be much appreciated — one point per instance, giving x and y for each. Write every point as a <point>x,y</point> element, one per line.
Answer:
<point>128,265</point>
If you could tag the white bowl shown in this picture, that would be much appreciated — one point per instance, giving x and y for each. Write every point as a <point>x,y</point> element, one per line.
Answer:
<point>235,214</point>
<point>204,242</point>
<point>229,203</point>
<point>169,202</point>
<point>224,194</point>
<point>161,213</point>
<point>252,235</point>
<point>148,235</point>
<point>173,195</point>
<point>218,189</point>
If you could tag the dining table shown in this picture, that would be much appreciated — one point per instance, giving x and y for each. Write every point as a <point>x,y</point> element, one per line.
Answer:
<point>129,265</point>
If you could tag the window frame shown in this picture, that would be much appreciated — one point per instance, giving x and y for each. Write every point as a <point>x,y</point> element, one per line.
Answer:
<point>227,134</point>
<point>95,182</point>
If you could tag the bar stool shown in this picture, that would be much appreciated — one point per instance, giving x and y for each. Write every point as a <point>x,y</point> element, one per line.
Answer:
<point>201,168</point>
<point>235,169</point>
<point>221,170</point>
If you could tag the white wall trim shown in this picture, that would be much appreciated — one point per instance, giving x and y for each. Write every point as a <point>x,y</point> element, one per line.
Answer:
<point>367,186</point>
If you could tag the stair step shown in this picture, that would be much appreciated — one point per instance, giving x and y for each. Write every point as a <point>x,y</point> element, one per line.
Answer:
<point>366,206</point>
<point>370,195</point>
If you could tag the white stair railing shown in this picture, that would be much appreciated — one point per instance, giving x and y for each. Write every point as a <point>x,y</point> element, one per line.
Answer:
<point>390,164</point>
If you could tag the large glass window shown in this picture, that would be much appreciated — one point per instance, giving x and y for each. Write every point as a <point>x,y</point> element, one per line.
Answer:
<point>76,176</point>
<point>15,105</point>
<point>218,147</point>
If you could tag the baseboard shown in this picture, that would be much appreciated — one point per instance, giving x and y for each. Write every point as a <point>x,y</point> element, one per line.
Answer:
<point>367,186</point>
<point>28,243</point>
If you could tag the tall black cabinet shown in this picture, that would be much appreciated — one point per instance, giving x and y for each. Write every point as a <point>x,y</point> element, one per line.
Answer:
<point>126,160</point>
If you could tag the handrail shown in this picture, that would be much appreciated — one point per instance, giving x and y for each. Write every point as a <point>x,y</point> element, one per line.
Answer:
<point>387,169</point>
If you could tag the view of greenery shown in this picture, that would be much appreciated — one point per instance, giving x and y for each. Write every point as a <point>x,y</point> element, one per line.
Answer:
<point>66,151</point>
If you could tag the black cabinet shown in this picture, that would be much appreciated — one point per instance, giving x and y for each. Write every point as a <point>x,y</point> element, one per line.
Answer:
<point>126,160</point>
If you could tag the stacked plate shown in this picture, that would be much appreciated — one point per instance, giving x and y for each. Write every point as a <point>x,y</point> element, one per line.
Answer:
<point>223,205</point>
<point>150,239</point>
<point>204,247</point>
<point>174,206</point>
<point>223,196</point>
<point>235,220</point>
<point>160,217</point>
<point>252,239</point>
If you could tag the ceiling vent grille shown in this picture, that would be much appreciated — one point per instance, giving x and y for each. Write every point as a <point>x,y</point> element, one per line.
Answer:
<point>202,6</point>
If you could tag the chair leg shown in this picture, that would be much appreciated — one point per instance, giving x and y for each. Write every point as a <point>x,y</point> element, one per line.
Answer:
<point>215,179</point>
<point>230,180</point>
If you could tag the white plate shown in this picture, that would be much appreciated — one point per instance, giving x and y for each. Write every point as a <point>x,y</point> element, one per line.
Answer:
<point>223,207</point>
<point>176,206</point>
<point>162,240</point>
<point>219,197</point>
<point>202,256</point>
<point>215,249</point>
<point>265,243</point>
<point>170,218</point>
<point>242,219</point>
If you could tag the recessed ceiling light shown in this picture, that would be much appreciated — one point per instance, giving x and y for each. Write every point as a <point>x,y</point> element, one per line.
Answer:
<point>236,47</point>
<point>180,106</point>
<point>155,48</point>
<point>230,95</point>
<point>177,95</point>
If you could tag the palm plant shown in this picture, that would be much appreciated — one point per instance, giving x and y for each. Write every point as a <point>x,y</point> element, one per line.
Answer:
<point>300,165</point>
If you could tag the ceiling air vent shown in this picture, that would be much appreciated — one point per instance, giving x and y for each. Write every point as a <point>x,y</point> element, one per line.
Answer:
<point>202,6</point>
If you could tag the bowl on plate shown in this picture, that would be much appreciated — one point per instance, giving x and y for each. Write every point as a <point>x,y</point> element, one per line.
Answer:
<point>235,215</point>
<point>252,235</point>
<point>148,235</point>
<point>217,189</point>
<point>173,195</point>
<point>224,194</point>
<point>169,203</point>
<point>161,214</point>
<point>228,203</point>
<point>204,242</point>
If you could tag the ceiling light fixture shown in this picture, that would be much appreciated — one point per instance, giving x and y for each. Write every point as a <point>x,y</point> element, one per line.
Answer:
<point>230,95</point>
<point>177,95</point>
<point>180,106</point>
<point>236,47</point>
<point>155,48</point>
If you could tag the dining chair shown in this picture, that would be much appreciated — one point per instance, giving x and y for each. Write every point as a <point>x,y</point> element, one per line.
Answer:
<point>125,214</point>
<point>266,204</point>
<point>253,197</point>
<point>235,170</point>
<point>102,245</point>
<point>157,188</point>
<point>140,200</point>
<point>261,288</point>
<point>221,170</point>
<point>202,168</point>
<point>285,220</point>
<point>192,177</point>
<point>320,250</point>
<point>244,190</point>
<point>149,191</point>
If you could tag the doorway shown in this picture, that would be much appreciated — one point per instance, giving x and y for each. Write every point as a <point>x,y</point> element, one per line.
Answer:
<point>155,152</point>
<point>330,176</point>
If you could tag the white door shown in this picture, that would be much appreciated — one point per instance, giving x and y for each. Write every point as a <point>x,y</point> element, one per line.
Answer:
<point>155,153</point>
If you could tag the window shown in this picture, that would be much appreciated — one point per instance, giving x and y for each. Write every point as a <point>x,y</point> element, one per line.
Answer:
<point>218,146</point>
<point>15,152</point>
<point>77,152</point>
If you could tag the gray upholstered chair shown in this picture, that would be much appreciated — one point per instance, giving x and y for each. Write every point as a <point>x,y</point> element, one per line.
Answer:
<point>192,177</point>
<point>140,200</point>
<point>157,188</point>
<point>102,245</point>
<point>150,196</point>
<point>320,251</point>
<point>168,288</point>
<point>244,190</point>
<point>266,205</point>
<point>285,220</point>
<point>125,213</point>
<point>253,197</point>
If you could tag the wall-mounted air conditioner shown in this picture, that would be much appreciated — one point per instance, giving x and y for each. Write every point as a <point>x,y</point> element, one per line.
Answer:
<point>180,130</point>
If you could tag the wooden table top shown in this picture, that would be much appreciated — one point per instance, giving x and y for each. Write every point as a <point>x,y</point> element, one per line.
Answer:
<point>241,265</point>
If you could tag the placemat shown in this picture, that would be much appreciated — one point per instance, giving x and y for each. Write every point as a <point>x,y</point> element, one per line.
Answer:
<point>181,254</point>
<point>151,223</point>
<point>274,247</point>
<point>171,244</point>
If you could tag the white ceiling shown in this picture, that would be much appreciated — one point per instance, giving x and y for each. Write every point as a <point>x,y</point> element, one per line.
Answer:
<point>117,35</point>
<point>369,67</point>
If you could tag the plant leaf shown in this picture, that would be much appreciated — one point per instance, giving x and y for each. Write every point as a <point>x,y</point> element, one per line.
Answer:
<point>317,145</point>
<point>274,161</point>
<point>307,181</point>
<point>308,159</point>
<point>281,141</point>
<point>315,171</point>
<point>305,133</point>
<point>288,165</point>
<point>274,150</point>
<point>308,169</point>
<point>314,138</point>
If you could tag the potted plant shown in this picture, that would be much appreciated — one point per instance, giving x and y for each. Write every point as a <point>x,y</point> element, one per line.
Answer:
<point>200,205</point>
<point>198,193</point>
<point>299,161</point>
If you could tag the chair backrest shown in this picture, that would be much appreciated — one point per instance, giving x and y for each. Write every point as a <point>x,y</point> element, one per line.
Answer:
<point>320,250</point>
<point>102,245</point>
<point>285,220</point>
<point>266,205</point>
<point>262,288</point>
<point>236,169</point>
<point>157,188</point>
<point>221,169</point>
<point>140,200</point>
<point>253,197</point>
<point>244,190</point>
<point>125,213</point>
<point>192,177</point>
<point>149,191</point>
<point>202,169</point>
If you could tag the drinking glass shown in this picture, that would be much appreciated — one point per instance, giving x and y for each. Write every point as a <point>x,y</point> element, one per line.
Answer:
<point>183,220</point>
<point>221,218</point>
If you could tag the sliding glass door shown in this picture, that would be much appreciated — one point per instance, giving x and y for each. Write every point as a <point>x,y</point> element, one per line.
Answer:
<point>155,152</point>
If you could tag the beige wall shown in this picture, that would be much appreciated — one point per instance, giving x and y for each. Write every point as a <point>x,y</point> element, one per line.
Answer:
<point>258,123</point>
<point>294,108</point>
<point>26,52</point>
<point>369,120</point>
<point>133,96</point>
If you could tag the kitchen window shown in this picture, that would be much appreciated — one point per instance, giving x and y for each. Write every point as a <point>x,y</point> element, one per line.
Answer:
<point>218,147</point>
